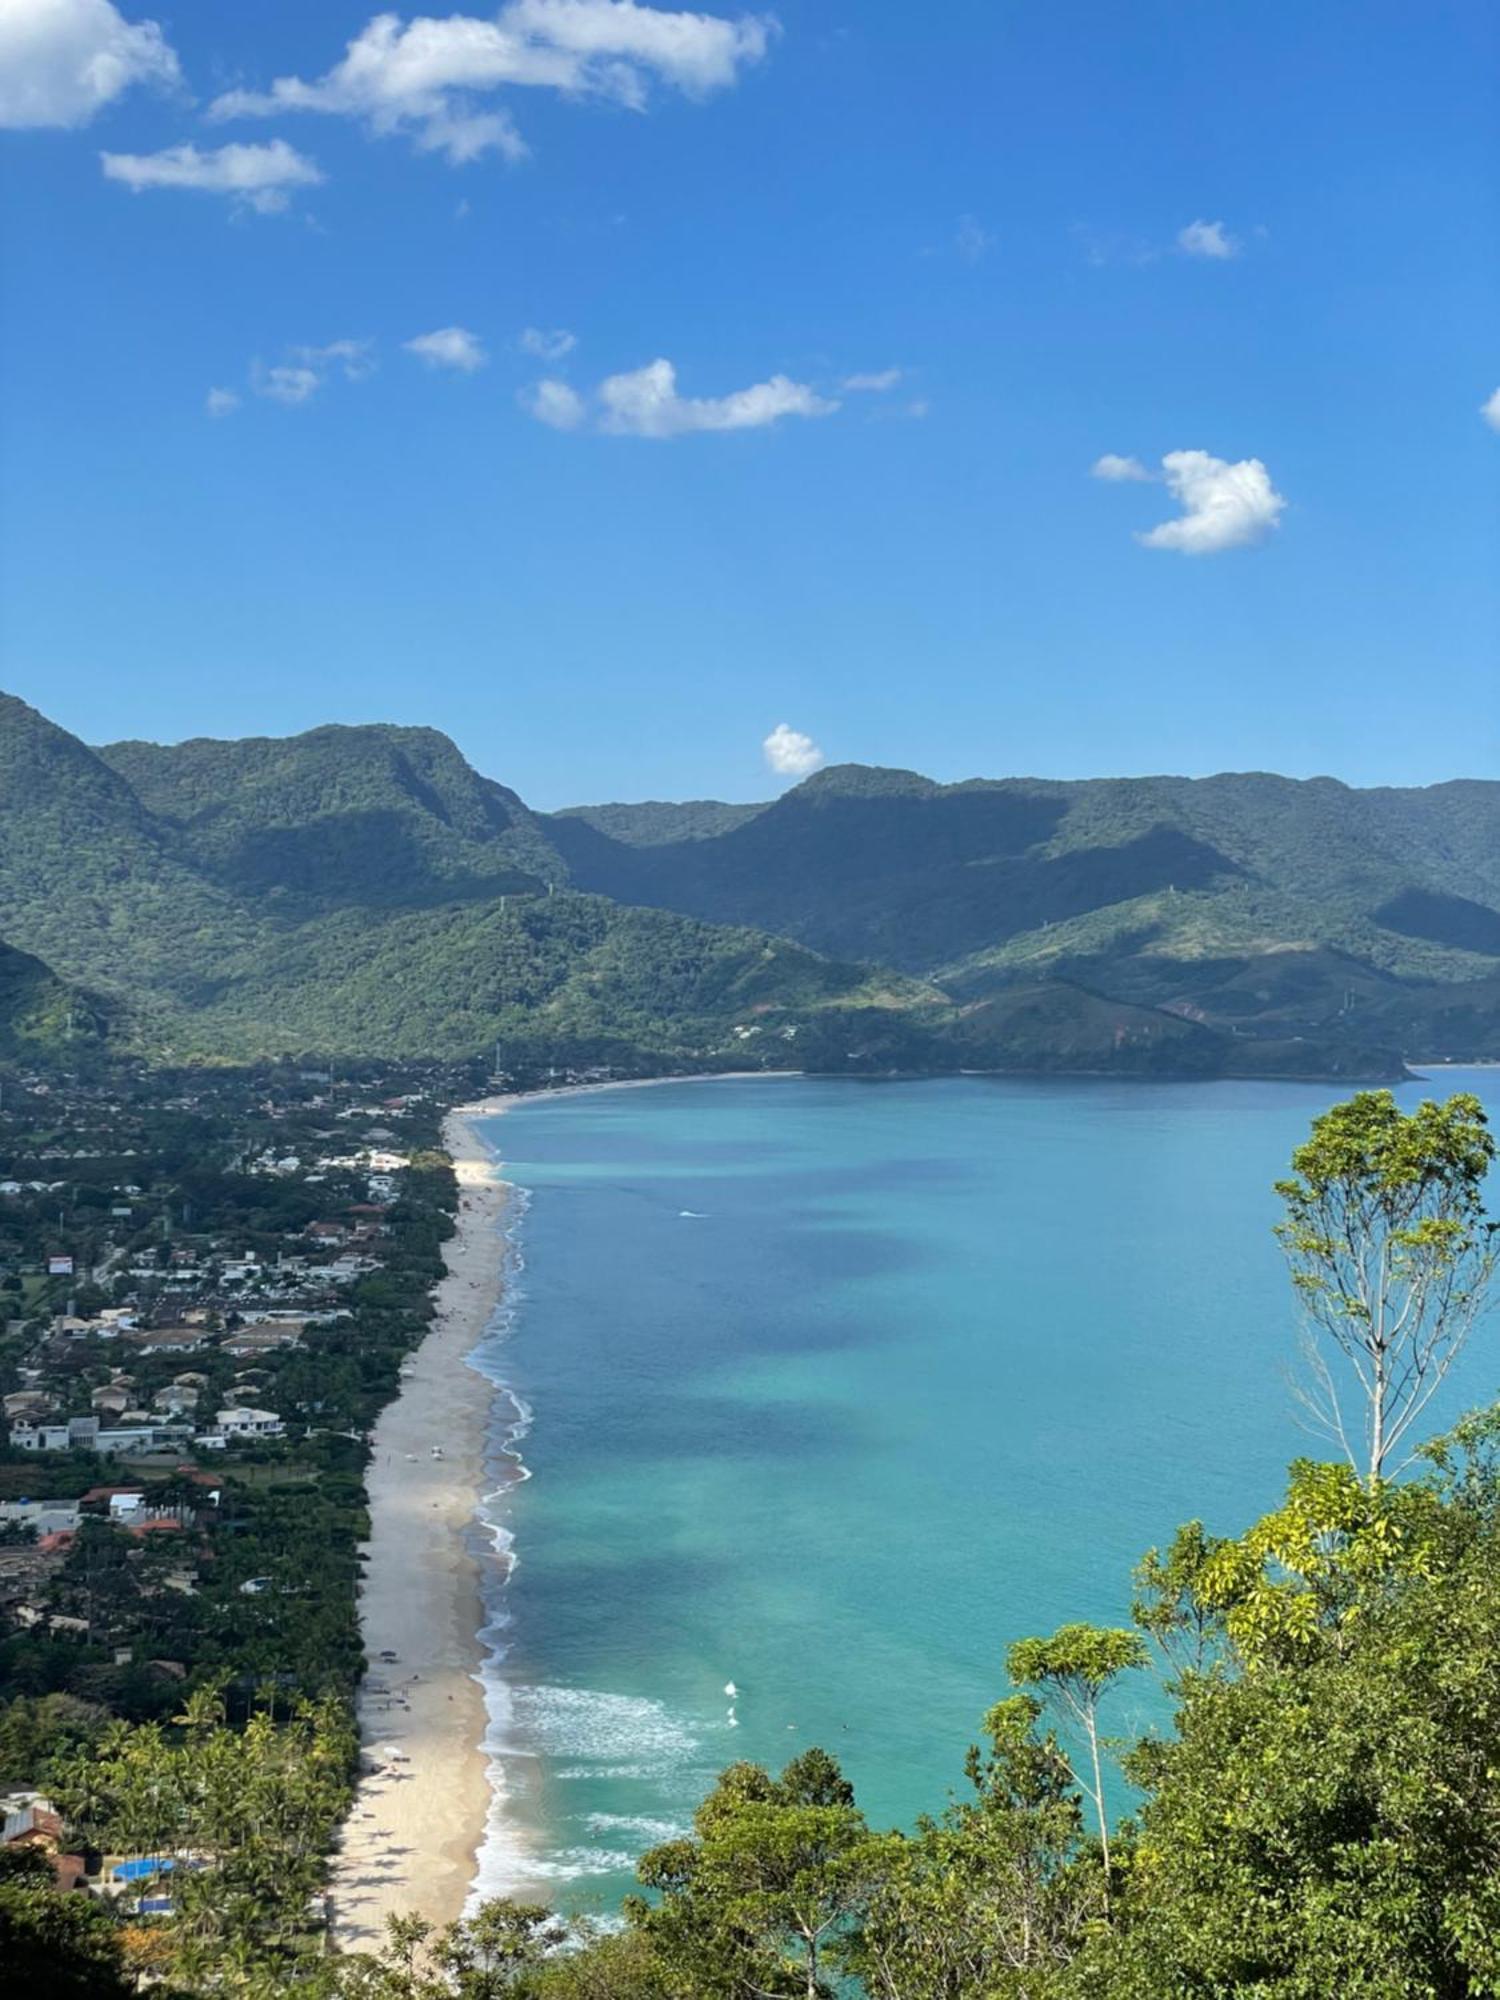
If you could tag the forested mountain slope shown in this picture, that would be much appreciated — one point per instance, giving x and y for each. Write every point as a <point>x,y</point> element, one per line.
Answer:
<point>1256,904</point>
<point>364,890</point>
<point>375,815</point>
<point>42,1015</point>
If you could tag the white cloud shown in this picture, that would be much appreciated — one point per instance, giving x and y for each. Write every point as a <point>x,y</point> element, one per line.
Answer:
<point>449,347</point>
<point>1225,506</point>
<point>285,383</point>
<point>1112,466</point>
<point>427,77</point>
<point>556,404</point>
<point>1207,239</point>
<point>791,754</point>
<point>697,53</point>
<point>645,403</point>
<point>63,60</point>
<point>548,343</point>
<point>298,379</point>
<point>257,177</point>
<point>973,240</point>
<point>221,402</point>
<point>1490,411</point>
<point>875,383</point>
<point>1105,247</point>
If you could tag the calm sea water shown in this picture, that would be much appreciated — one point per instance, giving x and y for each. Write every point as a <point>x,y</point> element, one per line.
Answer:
<point>832,1390</point>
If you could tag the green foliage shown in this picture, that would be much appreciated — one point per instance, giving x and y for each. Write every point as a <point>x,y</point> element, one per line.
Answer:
<point>364,890</point>
<point>653,822</point>
<point>244,1817</point>
<point>55,1943</point>
<point>1322,1819</point>
<point>758,1901</point>
<point>990,1899</point>
<point>1390,1253</point>
<point>1074,1667</point>
<point>43,1016</point>
<point>1326,1818</point>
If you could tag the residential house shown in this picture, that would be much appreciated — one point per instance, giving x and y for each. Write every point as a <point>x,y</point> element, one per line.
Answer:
<point>86,1434</point>
<point>168,1339</point>
<point>239,1421</point>
<point>178,1399</point>
<point>28,1403</point>
<point>250,1343</point>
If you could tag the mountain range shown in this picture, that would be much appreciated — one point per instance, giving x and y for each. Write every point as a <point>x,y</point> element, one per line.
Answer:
<point>363,890</point>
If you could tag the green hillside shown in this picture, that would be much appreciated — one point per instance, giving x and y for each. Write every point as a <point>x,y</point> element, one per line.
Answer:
<point>562,979</point>
<point>375,815</point>
<point>42,1016</point>
<point>364,890</point>
<point>1256,905</point>
<point>358,891</point>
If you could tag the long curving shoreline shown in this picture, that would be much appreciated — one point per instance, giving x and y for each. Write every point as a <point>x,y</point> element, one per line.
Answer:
<point>419,1815</point>
<point>421,1818</point>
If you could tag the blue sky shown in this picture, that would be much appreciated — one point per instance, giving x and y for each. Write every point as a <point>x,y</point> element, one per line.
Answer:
<point>981,207</point>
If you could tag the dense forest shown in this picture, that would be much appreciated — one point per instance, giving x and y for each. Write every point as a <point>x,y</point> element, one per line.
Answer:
<point>365,891</point>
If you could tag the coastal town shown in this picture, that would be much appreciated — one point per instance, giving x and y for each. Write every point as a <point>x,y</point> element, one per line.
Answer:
<point>210,1284</point>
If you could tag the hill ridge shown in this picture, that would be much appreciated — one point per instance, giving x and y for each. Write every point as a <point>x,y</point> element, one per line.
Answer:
<point>364,883</point>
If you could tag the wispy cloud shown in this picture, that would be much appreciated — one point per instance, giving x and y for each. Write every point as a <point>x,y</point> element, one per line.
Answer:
<point>1490,411</point>
<point>221,402</point>
<point>299,378</point>
<point>449,347</point>
<point>258,177</point>
<point>555,404</point>
<point>645,403</point>
<point>791,754</point>
<point>433,79</point>
<point>1224,505</point>
<point>1210,242</point>
<point>874,384</point>
<point>1207,239</point>
<point>1113,467</point>
<point>547,343</point>
<point>63,60</point>
<point>972,240</point>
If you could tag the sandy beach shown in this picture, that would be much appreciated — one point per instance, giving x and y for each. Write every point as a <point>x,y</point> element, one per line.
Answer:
<point>419,1814</point>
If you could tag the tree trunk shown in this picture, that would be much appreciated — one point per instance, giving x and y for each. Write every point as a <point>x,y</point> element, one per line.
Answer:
<point>1093,1728</point>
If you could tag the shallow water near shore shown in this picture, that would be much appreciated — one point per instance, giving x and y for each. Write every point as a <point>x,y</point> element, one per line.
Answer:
<point>830,1391</point>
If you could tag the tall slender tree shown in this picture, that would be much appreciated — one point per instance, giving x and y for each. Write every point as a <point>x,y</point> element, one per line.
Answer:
<point>1391,1256</point>
<point>1073,1668</point>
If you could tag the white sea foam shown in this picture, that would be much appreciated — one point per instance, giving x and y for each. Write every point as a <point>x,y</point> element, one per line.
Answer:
<point>506,1861</point>
<point>567,1864</point>
<point>588,1724</point>
<point>591,1733</point>
<point>645,1771</point>
<point>640,1824</point>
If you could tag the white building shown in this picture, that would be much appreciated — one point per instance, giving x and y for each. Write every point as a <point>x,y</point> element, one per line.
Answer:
<point>242,1422</point>
<point>87,1434</point>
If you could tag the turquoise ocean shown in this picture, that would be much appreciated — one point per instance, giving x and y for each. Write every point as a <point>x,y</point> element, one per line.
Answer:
<point>829,1391</point>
